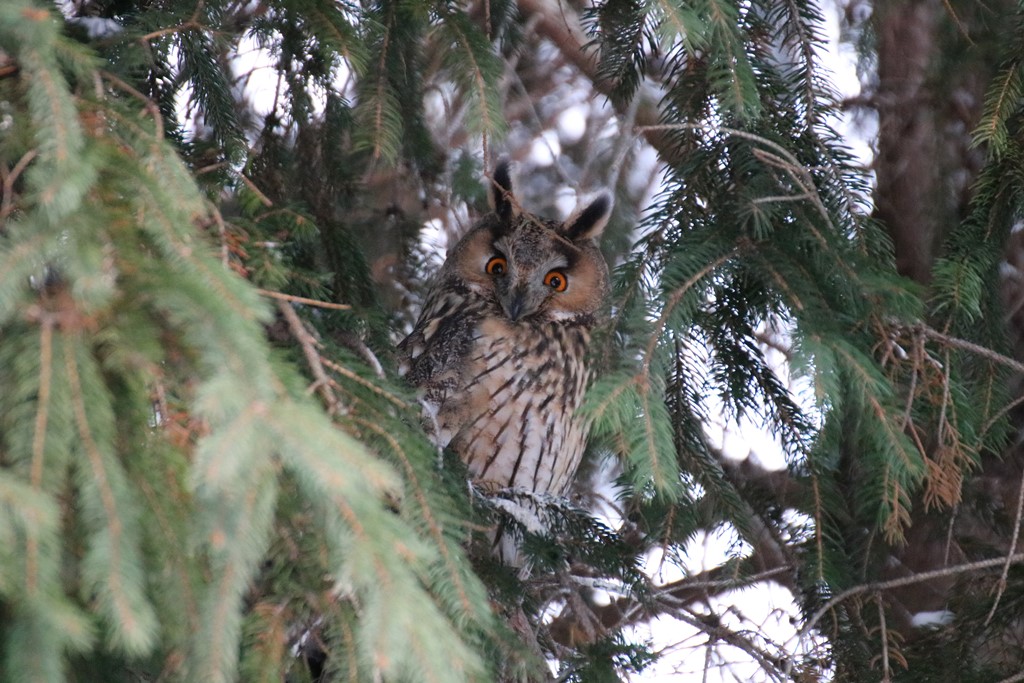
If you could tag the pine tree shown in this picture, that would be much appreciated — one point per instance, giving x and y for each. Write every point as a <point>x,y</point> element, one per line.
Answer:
<point>211,471</point>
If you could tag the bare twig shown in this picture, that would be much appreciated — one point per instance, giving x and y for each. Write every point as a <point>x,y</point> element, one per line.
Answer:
<point>1001,412</point>
<point>210,168</point>
<point>624,143</point>
<point>770,664</point>
<point>668,599</point>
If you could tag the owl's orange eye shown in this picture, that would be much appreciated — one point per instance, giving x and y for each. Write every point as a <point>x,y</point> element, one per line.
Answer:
<point>556,280</point>
<point>497,266</point>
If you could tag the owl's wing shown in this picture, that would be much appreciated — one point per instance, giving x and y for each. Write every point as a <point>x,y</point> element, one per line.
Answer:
<point>435,352</point>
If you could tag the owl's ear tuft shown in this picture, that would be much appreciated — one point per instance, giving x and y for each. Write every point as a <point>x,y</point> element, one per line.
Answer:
<point>501,191</point>
<point>589,222</point>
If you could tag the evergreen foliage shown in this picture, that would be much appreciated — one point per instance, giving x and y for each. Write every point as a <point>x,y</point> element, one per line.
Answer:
<point>211,471</point>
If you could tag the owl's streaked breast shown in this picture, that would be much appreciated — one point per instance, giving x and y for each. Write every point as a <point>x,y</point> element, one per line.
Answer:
<point>513,417</point>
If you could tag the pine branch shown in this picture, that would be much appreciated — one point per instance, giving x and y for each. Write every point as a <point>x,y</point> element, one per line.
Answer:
<point>1001,102</point>
<point>112,565</point>
<point>237,533</point>
<point>378,109</point>
<point>671,302</point>
<point>476,68</point>
<point>211,91</point>
<point>455,569</point>
<point>61,175</point>
<point>329,23</point>
<point>680,22</point>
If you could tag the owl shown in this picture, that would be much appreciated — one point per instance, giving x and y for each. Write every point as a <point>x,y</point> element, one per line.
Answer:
<point>499,352</point>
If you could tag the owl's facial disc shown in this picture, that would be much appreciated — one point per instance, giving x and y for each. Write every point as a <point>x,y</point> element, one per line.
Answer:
<point>530,267</point>
<point>524,290</point>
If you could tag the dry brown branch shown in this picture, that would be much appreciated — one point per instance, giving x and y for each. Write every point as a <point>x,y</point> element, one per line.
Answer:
<point>560,24</point>
<point>971,347</point>
<point>1001,587</point>
<point>222,234</point>
<point>264,199</point>
<point>280,296</point>
<point>812,623</point>
<point>147,103</point>
<point>356,344</point>
<point>190,25</point>
<point>884,634</point>
<point>345,372</point>
<point>7,203</point>
<point>322,383</point>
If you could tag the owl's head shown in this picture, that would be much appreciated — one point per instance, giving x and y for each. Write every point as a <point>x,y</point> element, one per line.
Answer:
<point>532,268</point>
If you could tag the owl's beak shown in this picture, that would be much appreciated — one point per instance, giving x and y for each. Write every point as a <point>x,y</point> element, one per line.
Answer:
<point>516,304</point>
